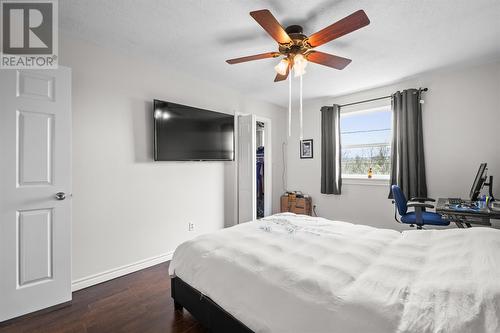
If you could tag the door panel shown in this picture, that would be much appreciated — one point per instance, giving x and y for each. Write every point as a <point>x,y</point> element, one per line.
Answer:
<point>246,169</point>
<point>36,85</point>
<point>34,236</point>
<point>34,148</point>
<point>35,164</point>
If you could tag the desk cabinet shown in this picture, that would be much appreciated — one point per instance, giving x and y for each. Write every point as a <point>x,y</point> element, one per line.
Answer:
<point>296,205</point>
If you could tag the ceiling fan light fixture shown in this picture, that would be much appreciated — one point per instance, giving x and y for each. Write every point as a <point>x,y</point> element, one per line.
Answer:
<point>282,67</point>
<point>299,65</point>
<point>299,59</point>
<point>297,50</point>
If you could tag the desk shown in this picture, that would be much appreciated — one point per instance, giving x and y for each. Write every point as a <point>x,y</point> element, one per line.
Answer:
<point>464,216</point>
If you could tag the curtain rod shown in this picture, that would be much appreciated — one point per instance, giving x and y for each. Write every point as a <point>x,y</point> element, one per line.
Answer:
<point>375,99</point>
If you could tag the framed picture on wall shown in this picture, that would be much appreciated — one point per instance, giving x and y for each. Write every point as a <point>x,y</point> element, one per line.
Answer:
<point>306,148</point>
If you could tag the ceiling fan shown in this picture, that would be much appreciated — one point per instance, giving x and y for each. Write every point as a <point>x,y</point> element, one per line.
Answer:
<point>298,48</point>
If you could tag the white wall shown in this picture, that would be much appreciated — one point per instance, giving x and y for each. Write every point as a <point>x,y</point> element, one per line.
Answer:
<point>461,119</point>
<point>126,207</point>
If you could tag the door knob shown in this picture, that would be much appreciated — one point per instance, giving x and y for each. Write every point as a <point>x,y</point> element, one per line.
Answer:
<point>60,196</point>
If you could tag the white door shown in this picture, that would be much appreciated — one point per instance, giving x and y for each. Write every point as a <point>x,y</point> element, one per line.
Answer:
<point>246,169</point>
<point>35,164</point>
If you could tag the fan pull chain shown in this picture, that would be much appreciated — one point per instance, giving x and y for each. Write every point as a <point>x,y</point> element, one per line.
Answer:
<point>300,111</point>
<point>290,105</point>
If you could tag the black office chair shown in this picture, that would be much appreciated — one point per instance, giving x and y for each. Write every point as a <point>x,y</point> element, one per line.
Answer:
<point>419,216</point>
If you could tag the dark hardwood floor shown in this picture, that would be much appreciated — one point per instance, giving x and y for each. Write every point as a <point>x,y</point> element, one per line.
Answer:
<point>138,302</point>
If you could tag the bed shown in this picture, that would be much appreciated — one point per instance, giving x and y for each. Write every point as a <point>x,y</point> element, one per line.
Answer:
<point>295,273</point>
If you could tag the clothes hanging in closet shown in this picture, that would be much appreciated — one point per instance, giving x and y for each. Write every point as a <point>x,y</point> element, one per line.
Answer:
<point>260,182</point>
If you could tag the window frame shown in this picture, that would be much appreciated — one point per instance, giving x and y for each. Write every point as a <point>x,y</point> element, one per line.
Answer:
<point>355,179</point>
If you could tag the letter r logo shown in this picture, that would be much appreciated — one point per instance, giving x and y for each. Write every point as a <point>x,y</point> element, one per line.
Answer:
<point>27,27</point>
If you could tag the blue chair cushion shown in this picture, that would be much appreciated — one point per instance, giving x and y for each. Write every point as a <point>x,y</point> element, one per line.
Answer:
<point>400,199</point>
<point>427,218</point>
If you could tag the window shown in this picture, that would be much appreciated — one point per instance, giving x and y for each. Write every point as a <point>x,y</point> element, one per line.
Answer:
<point>366,143</point>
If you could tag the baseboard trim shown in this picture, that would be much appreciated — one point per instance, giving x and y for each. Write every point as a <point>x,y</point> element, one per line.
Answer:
<point>119,271</point>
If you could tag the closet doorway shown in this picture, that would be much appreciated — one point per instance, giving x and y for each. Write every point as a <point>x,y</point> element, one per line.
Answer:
<point>260,157</point>
<point>254,168</point>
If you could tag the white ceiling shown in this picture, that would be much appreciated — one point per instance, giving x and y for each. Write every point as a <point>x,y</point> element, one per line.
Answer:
<point>405,37</point>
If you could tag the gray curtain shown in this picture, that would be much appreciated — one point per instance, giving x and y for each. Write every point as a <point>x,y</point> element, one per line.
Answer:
<point>407,149</point>
<point>331,179</point>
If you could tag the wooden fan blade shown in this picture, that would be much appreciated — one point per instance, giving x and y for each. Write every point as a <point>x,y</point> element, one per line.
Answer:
<point>280,77</point>
<point>340,28</point>
<point>271,25</point>
<point>253,57</point>
<point>329,60</point>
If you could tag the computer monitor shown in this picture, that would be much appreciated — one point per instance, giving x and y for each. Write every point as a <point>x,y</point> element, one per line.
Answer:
<point>478,182</point>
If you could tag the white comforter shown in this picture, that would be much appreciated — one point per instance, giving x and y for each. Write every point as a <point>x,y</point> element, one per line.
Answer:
<point>292,273</point>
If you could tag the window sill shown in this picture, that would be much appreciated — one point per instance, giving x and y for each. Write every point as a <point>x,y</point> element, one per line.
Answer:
<point>353,180</point>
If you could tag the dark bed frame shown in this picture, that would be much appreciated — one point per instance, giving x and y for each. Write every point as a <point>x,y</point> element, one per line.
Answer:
<point>206,311</point>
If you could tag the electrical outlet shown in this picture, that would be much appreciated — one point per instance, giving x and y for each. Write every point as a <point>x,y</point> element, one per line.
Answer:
<point>190,226</point>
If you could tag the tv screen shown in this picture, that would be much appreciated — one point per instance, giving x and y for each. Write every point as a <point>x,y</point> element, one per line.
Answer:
<point>184,133</point>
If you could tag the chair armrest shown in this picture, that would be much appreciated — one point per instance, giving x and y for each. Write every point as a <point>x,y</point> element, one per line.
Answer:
<point>419,205</point>
<point>419,209</point>
<point>422,199</point>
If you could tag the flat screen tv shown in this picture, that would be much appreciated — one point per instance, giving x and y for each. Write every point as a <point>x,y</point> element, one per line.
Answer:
<point>185,133</point>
